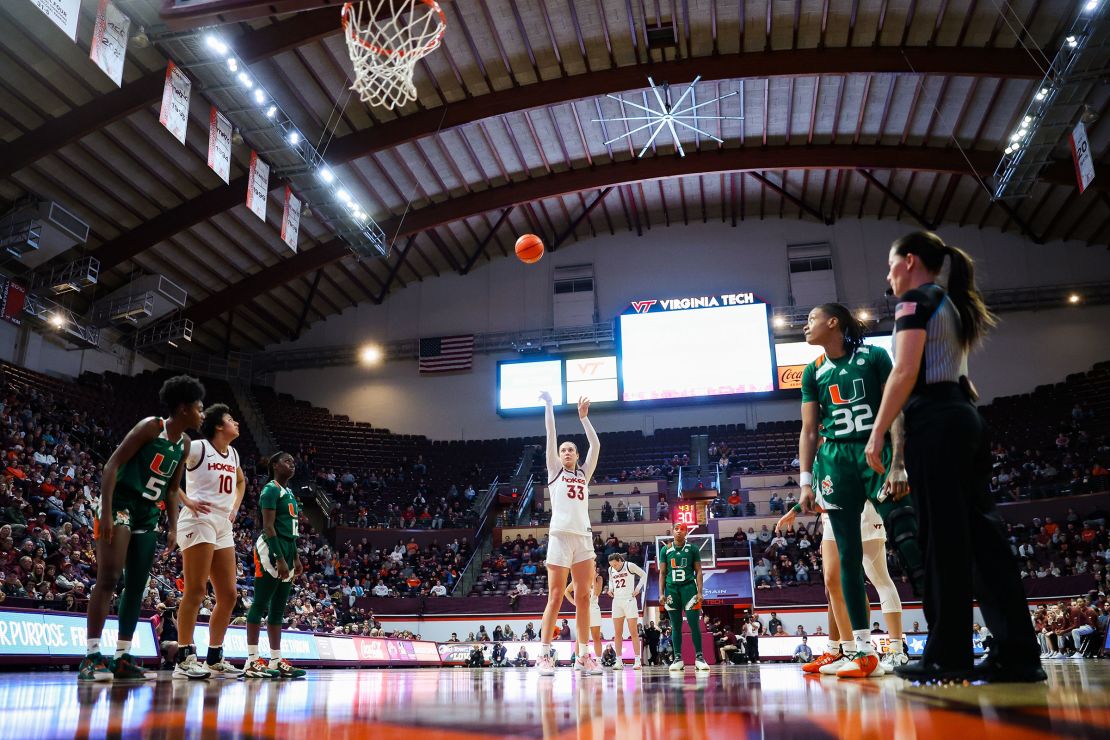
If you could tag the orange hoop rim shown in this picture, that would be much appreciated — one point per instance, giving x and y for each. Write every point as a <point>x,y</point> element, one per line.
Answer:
<point>353,35</point>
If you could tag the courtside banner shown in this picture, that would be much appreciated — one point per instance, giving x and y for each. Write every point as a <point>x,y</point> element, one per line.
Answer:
<point>458,653</point>
<point>258,186</point>
<point>219,144</point>
<point>291,219</point>
<point>48,634</point>
<point>175,102</point>
<point>294,645</point>
<point>64,13</point>
<point>109,41</point>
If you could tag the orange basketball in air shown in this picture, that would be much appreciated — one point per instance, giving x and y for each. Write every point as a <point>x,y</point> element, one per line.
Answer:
<point>529,248</point>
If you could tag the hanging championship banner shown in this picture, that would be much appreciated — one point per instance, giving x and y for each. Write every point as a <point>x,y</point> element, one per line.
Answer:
<point>291,221</point>
<point>175,102</point>
<point>219,144</point>
<point>258,186</point>
<point>1081,155</point>
<point>109,42</point>
<point>64,13</point>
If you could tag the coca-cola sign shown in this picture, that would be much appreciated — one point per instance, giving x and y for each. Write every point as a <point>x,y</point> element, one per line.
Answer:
<point>790,376</point>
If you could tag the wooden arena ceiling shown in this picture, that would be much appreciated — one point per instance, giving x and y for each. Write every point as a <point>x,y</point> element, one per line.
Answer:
<point>851,108</point>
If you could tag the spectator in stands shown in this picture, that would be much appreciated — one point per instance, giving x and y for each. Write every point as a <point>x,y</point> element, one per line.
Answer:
<point>529,632</point>
<point>564,631</point>
<point>876,629</point>
<point>803,653</point>
<point>762,573</point>
<point>662,510</point>
<point>483,636</point>
<point>607,514</point>
<point>774,623</point>
<point>765,536</point>
<point>439,589</point>
<point>734,503</point>
<point>380,589</point>
<point>775,504</point>
<point>521,658</point>
<point>498,635</point>
<point>622,511</point>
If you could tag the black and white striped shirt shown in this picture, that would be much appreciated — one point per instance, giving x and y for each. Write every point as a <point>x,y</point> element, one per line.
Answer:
<point>944,359</point>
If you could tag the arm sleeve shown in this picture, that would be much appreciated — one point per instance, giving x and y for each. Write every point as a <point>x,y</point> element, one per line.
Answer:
<point>268,499</point>
<point>915,308</point>
<point>595,448</point>
<point>809,383</point>
<point>636,570</point>
<point>553,464</point>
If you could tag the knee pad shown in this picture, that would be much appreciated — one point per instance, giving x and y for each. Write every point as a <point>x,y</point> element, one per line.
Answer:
<point>901,529</point>
<point>875,569</point>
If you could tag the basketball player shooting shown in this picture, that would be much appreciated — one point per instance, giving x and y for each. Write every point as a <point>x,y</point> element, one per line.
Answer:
<point>570,550</point>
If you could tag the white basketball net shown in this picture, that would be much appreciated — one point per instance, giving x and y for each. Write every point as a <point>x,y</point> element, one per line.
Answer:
<point>386,38</point>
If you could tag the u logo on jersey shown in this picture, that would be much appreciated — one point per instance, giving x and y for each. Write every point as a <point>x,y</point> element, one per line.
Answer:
<point>858,392</point>
<point>157,463</point>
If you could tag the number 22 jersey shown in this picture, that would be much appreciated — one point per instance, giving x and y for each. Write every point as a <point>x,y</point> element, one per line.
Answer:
<point>569,493</point>
<point>848,391</point>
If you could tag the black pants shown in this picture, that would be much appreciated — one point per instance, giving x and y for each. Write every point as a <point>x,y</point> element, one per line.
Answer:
<point>752,646</point>
<point>965,548</point>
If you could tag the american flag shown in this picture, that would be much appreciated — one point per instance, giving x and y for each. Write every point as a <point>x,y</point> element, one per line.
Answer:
<point>446,354</point>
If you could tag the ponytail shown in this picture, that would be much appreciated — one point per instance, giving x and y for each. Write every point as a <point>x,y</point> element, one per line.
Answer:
<point>974,314</point>
<point>975,317</point>
<point>852,328</point>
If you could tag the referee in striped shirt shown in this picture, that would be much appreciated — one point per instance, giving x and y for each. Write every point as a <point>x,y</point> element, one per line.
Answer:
<point>948,461</point>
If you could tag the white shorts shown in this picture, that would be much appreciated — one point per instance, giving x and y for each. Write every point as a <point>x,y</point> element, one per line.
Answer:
<point>213,528</point>
<point>595,616</point>
<point>626,608</point>
<point>566,549</point>
<point>871,525</point>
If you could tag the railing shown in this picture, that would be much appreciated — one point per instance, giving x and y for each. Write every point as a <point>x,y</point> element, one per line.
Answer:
<point>483,507</point>
<point>691,476</point>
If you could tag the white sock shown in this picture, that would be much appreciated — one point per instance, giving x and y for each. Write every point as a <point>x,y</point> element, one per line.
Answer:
<point>275,656</point>
<point>252,652</point>
<point>582,651</point>
<point>863,640</point>
<point>122,646</point>
<point>92,646</point>
<point>896,646</point>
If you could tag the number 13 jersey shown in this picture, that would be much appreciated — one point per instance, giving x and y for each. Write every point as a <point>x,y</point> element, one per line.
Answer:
<point>210,476</point>
<point>848,391</point>
<point>569,493</point>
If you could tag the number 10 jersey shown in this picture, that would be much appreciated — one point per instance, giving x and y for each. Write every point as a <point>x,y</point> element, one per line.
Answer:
<point>210,476</point>
<point>848,391</point>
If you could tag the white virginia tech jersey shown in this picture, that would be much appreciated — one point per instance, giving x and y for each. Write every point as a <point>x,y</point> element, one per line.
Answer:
<point>210,476</point>
<point>623,582</point>
<point>569,493</point>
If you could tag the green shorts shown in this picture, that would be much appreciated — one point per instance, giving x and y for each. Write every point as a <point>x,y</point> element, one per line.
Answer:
<point>680,596</point>
<point>842,479</point>
<point>134,511</point>
<point>266,556</point>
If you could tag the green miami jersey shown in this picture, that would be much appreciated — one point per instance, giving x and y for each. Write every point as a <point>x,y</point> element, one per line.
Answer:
<point>147,474</point>
<point>680,562</point>
<point>848,391</point>
<point>286,509</point>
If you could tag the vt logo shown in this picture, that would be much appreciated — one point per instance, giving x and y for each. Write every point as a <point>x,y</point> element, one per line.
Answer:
<point>643,306</point>
<point>159,461</point>
<point>858,392</point>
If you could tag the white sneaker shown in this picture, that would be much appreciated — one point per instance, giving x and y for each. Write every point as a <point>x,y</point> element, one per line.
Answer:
<point>190,668</point>
<point>223,669</point>
<point>677,666</point>
<point>700,664</point>
<point>891,661</point>
<point>637,665</point>
<point>862,665</point>
<point>830,669</point>
<point>545,665</point>
<point>618,666</point>
<point>588,665</point>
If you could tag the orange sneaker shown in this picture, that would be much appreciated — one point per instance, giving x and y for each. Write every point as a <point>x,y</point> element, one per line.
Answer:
<point>823,659</point>
<point>862,665</point>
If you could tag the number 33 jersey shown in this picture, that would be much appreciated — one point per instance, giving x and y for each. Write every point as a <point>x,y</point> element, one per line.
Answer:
<point>570,502</point>
<point>847,391</point>
<point>210,476</point>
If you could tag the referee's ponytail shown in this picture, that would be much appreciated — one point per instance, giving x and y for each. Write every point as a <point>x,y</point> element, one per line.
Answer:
<point>853,328</point>
<point>975,317</point>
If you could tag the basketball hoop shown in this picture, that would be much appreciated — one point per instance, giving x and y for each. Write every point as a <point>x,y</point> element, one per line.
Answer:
<point>386,38</point>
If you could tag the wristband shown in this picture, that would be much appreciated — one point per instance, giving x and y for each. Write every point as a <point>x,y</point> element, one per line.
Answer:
<point>797,508</point>
<point>805,479</point>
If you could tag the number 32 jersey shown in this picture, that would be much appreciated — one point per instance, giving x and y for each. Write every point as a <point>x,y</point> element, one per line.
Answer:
<point>569,493</point>
<point>848,391</point>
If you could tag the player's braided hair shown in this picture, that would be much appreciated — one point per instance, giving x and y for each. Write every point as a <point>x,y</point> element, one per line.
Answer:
<point>274,458</point>
<point>852,327</point>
